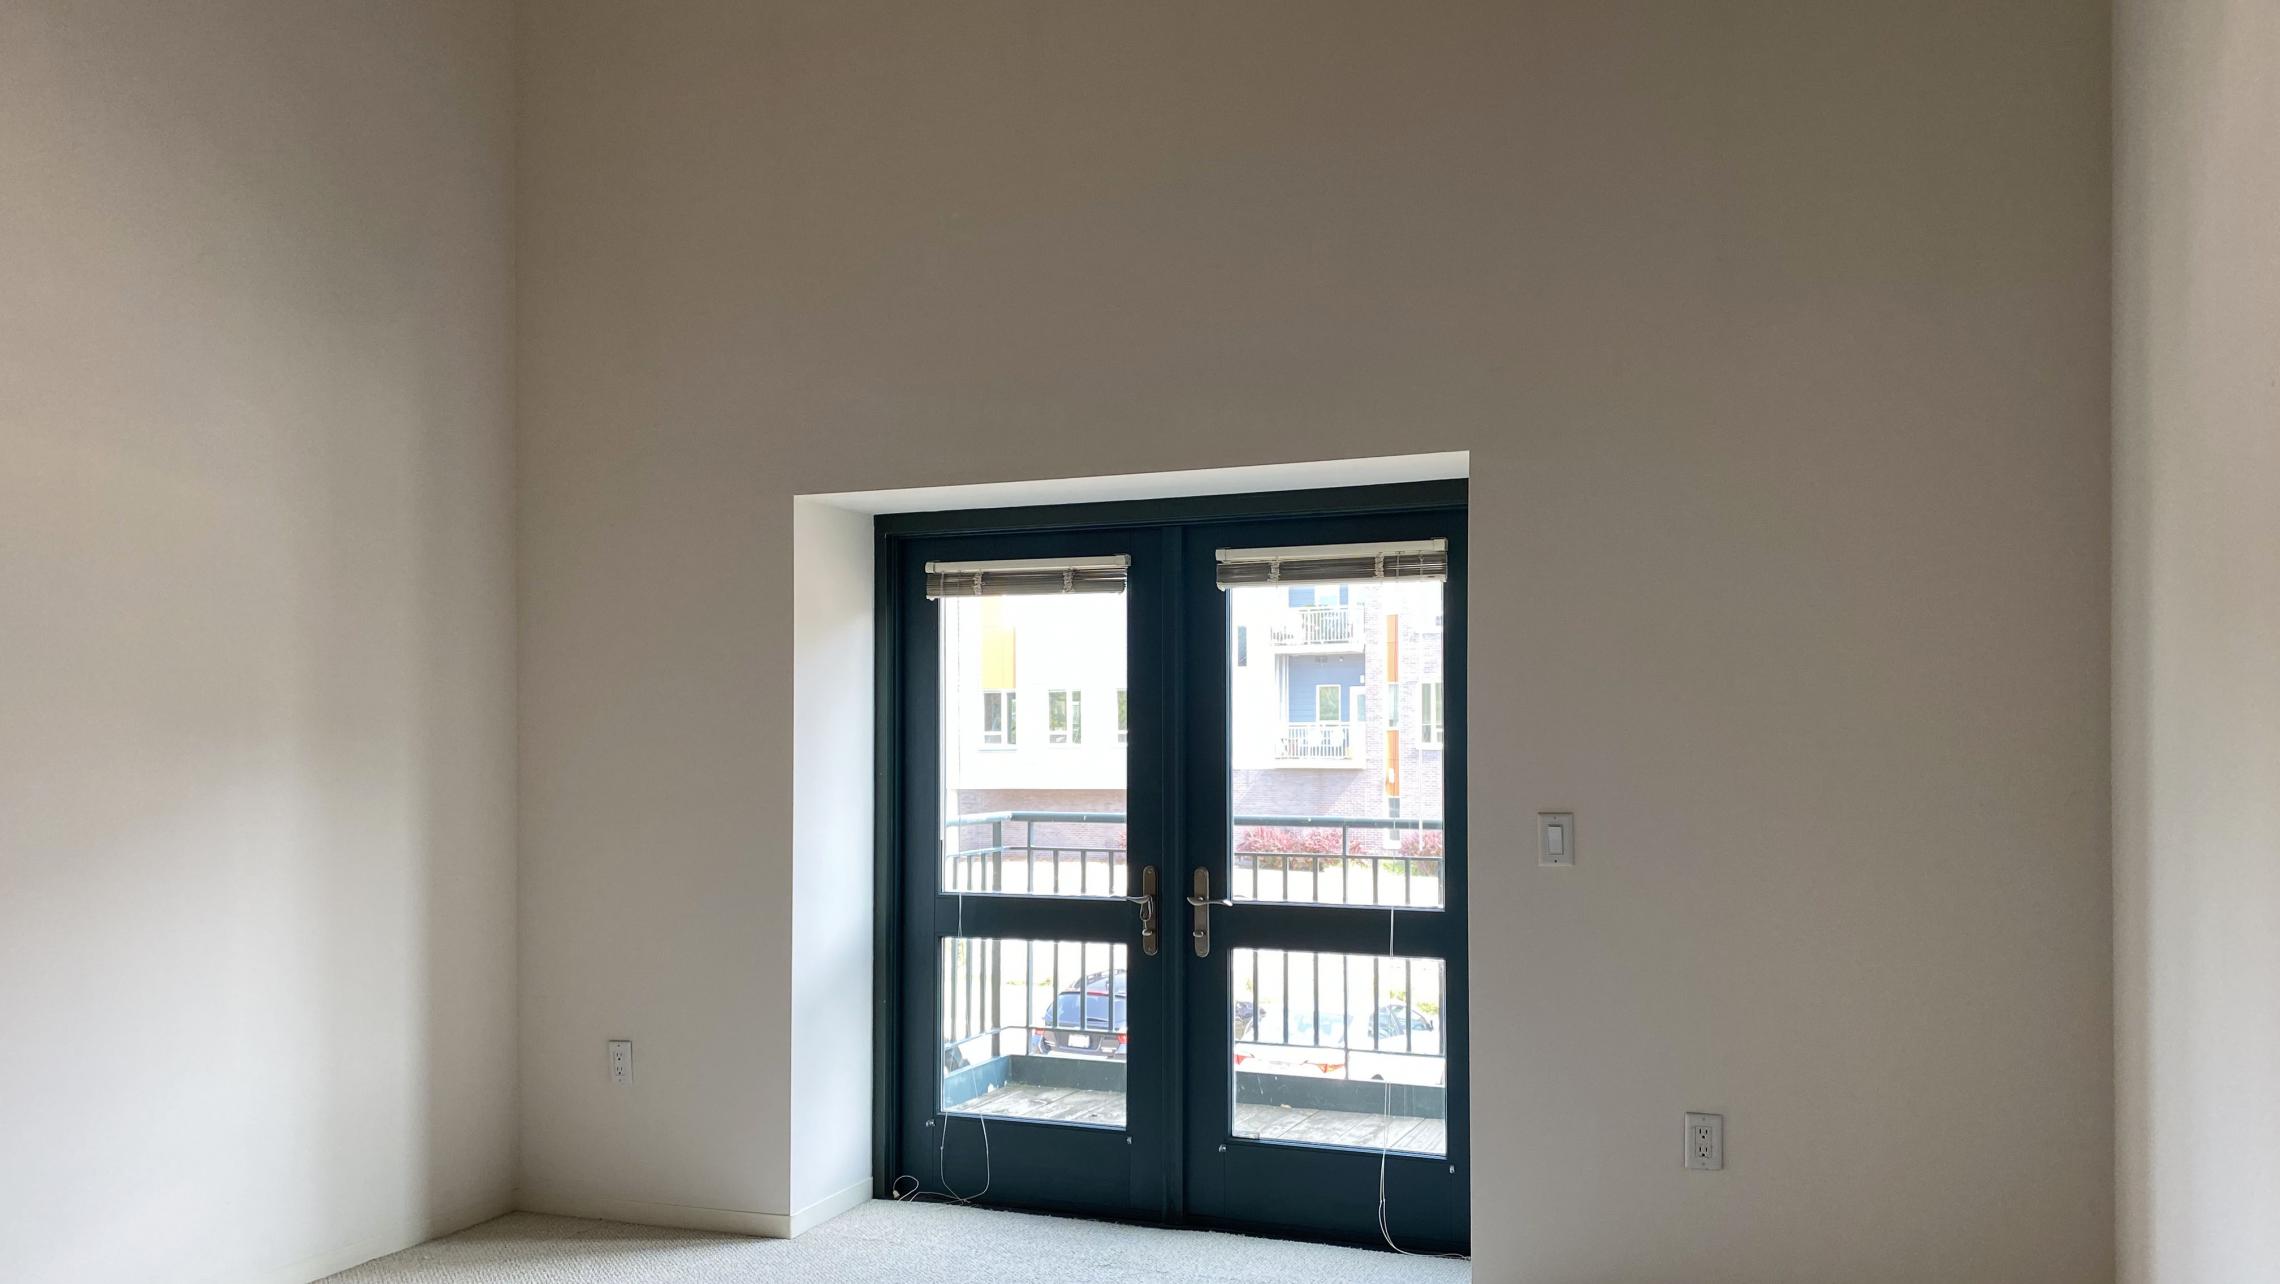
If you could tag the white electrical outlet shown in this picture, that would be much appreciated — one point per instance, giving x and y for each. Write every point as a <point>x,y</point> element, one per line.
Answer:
<point>621,1062</point>
<point>1706,1142</point>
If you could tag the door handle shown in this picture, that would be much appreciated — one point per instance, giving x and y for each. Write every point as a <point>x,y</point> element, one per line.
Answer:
<point>1150,933</point>
<point>1202,903</point>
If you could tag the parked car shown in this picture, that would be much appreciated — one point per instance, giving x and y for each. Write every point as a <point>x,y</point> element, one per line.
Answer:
<point>1396,1044</point>
<point>1087,1020</point>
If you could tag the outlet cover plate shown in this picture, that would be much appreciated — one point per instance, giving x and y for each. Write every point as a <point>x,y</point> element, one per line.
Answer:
<point>1705,1142</point>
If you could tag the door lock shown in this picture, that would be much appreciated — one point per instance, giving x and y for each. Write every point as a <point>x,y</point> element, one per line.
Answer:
<point>1150,930</point>
<point>1201,902</point>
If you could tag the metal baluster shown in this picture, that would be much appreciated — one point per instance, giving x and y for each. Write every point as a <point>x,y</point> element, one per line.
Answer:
<point>1315,968</point>
<point>1258,1003</point>
<point>1377,989</point>
<point>1346,992</point>
<point>1084,1013</point>
<point>1409,1004</point>
<point>1286,997</point>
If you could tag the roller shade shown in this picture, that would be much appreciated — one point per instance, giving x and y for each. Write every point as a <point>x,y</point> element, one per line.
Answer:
<point>1027,576</point>
<point>1334,563</point>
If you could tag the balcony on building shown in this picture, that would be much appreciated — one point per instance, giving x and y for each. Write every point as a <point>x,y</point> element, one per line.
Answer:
<point>1319,744</point>
<point>1318,627</point>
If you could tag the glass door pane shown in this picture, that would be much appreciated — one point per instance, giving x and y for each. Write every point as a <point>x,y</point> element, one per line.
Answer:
<point>1035,1030</point>
<point>1033,792</point>
<point>1340,1050</point>
<point>1334,779</point>
<point>1033,805</point>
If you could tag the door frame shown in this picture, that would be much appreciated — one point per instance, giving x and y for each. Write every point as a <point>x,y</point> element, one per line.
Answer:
<point>893,535</point>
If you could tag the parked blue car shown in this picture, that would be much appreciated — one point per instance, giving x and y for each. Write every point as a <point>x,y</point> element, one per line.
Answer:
<point>1087,1020</point>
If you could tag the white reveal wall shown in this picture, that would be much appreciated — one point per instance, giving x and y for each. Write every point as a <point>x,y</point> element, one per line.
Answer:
<point>832,859</point>
<point>2197,639</point>
<point>256,635</point>
<point>1778,334</point>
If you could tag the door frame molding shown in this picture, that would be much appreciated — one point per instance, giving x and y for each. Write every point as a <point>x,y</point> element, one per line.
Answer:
<point>892,533</point>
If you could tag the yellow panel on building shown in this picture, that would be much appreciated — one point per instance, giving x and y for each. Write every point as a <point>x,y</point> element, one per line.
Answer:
<point>997,646</point>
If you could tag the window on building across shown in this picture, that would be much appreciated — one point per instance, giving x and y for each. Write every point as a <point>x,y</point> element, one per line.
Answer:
<point>997,717</point>
<point>1065,717</point>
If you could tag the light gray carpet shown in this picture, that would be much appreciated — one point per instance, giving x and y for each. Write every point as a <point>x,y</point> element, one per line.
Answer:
<point>881,1242</point>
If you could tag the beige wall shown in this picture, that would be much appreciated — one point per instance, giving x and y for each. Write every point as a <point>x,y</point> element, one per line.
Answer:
<point>2197,639</point>
<point>256,635</point>
<point>1778,333</point>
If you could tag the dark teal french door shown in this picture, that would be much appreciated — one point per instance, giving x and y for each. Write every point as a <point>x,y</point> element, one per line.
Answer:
<point>1173,875</point>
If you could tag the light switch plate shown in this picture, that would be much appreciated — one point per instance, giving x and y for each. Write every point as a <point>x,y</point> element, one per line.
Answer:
<point>1555,838</point>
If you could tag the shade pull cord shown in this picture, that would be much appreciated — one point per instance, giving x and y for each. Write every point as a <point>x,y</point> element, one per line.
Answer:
<point>1385,1147</point>
<point>918,1193</point>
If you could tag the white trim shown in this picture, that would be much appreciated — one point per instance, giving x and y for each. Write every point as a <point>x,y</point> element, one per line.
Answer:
<point>853,1196</point>
<point>563,1202</point>
<point>416,1229</point>
<point>1373,471</point>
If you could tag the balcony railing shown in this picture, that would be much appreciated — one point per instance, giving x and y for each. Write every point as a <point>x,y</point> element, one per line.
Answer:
<point>1036,853</point>
<point>1306,860</point>
<point>1319,742</point>
<point>1330,1049</point>
<point>1333,625</point>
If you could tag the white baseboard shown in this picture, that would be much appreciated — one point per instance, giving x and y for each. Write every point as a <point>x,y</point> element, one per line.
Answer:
<point>417,1229</point>
<point>564,1202</point>
<point>832,1205</point>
